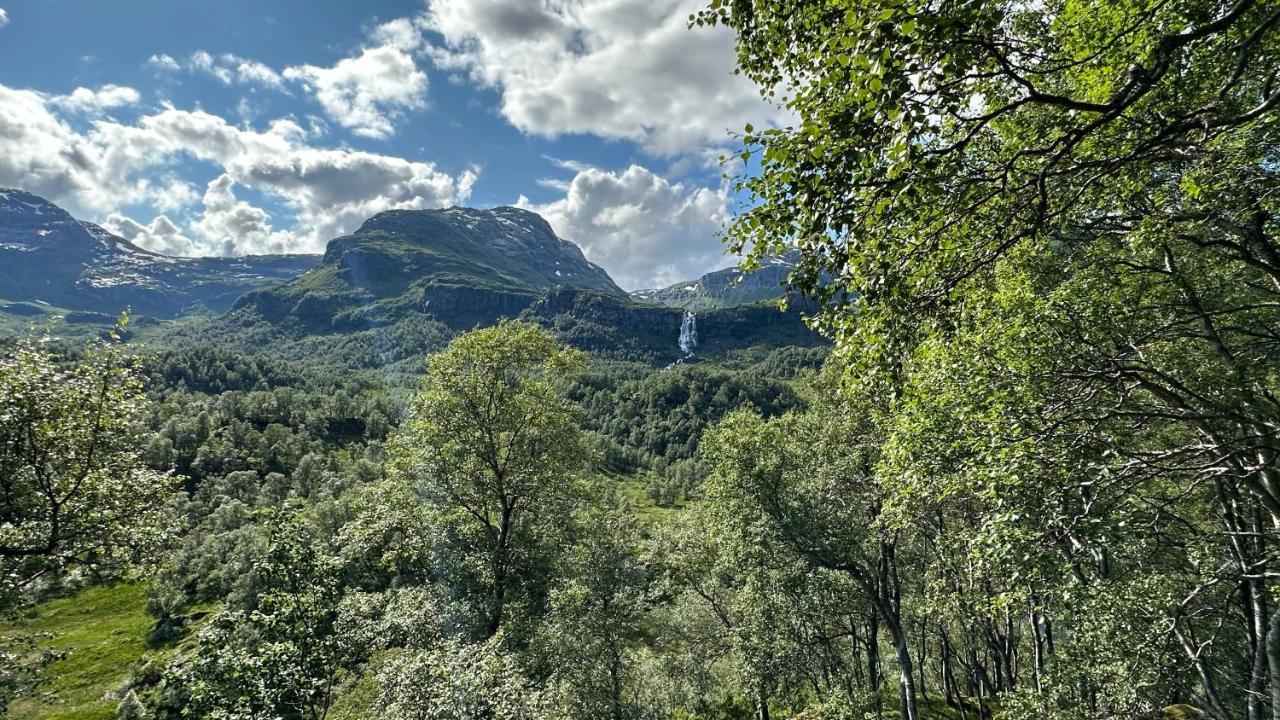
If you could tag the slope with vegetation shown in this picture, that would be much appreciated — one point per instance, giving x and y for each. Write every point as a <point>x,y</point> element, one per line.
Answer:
<point>459,266</point>
<point>1035,476</point>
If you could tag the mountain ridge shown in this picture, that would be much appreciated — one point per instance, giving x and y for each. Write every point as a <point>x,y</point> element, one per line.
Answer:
<point>47,256</point>
<point>727,287</point>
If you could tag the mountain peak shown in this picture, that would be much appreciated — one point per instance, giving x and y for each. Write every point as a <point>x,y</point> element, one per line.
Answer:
<point>15,204</point>
<point>513,247</point>
<point>459,265</point>
<point>503,219</point>
<point>727,287</point>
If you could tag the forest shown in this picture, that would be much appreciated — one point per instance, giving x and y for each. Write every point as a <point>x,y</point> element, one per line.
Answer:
<point>1032,474</point>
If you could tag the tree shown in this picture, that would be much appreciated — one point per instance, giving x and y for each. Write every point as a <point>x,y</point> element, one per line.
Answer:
<point>806,484</point>
<point>494,448</point>
<point>937,138</point>
<point>460,681</point>
<point>73,486</point>
<point>596,617</point>
<point>282,655</point>
<point>1049,231</point>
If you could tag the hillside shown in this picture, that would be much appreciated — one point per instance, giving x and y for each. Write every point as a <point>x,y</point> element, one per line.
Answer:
<point>49,258</point>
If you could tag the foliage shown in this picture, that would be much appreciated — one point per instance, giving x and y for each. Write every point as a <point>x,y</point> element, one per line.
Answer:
<point>494,447</point>
<point>460,681</point>
<point>74,487</point>
<point>281,656</point>
<point>1044,236</point>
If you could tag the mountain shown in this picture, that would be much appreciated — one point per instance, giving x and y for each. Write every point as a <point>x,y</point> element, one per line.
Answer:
<point>408,280</point>
<point>725,288</point>
<point>458,266</point>
<point>47,257</point>
<point>398,287</point>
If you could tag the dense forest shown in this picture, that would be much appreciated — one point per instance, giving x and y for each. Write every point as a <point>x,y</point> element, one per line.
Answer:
<point>1034,475</point>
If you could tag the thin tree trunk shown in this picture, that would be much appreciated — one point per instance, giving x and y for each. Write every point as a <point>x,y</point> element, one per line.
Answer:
<point>922,660</point>
<point>1037,646</point>
<point>1273,662</point>
<point>906,674</point>
<point>873,660</point>
<point>500,575</point>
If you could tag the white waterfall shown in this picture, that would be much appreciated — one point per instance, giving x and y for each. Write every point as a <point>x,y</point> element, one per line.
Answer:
<point>688,334</point>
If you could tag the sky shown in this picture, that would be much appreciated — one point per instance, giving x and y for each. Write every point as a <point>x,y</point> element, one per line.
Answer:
<point>265,126</point>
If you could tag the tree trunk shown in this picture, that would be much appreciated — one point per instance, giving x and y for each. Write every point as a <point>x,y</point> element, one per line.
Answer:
<point>906,677</point>
<point>923,660</point>
<point>1273,662</point>
<point>1037,646</point>
<point>873,660</point>
<point>499,575</point>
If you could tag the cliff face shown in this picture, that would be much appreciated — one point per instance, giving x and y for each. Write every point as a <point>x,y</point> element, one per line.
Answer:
<point>47,257</point>
<point>607,325</point>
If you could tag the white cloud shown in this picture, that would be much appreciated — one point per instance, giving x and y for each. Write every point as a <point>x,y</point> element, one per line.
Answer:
<point>227,68</point>
<point>629,69</point>
<point>4,17</point>
<point>84,100</point>
<point>643,229</point>
<point>235,227</point>
<point>162,235</point>
<point>252,72</point>
<point>402,33</point>
<point>93,173</point>
<point>366,93</point>
<point>163,62</point>
<point>206,63</point>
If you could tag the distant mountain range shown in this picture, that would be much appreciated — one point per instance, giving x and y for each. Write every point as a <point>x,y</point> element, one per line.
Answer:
<point>401,284</point>
<point>725,288</point>
<point>48,257</point>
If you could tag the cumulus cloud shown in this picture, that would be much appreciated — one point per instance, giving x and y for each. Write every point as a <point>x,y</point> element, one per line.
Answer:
<point>628,69</point>
<point>645,230</point>
<point>163,62</point>
<point>226,67</point>
<point>4,17</point>
<point>252,72</point>
<point>234,226</point>
<point>207,63</point>
<point>366,93</point>
<point>112,164</point>
<point>402,33</point>
<point>84,100</point>
<point>161,235</point>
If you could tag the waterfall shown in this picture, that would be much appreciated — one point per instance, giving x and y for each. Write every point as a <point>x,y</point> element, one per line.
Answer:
<point>688,334</point>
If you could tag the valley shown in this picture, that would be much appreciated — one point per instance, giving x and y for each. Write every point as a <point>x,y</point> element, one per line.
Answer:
<point>634,360</point>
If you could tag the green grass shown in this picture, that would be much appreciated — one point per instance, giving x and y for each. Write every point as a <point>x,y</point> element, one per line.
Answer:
<point>103,633</point>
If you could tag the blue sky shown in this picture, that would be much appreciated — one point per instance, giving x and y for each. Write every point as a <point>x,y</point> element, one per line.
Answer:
<point>245,127</point>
